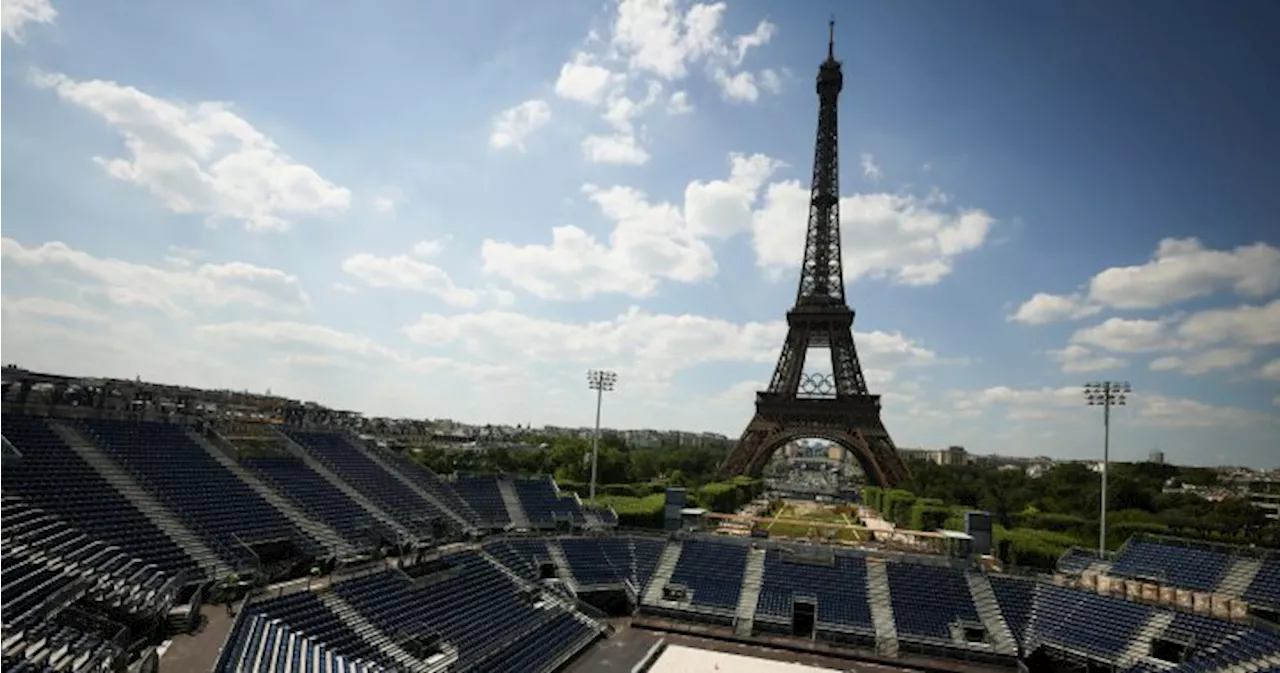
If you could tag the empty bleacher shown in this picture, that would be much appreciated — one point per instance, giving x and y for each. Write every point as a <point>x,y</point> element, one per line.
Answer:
<point>428,481</point>
<point>839,590</point>
<point>712,571</point>
<point>107,573</point>
<point>210,500</point>
<point>1015,596</point>
<point>1097,626</point>
<point>927,600</point>
<point>589,563</point>
<point>50,475</point>
<point>544,507</point>
<point>1265,588</point>
<point>1076,560</point>
<point>263,643</point>
<point>304,613</point>
<point>370,480</point>
<point>474,607</point>
<point>1191,567</point>
<point>314,495</point>
<point>481,492</point>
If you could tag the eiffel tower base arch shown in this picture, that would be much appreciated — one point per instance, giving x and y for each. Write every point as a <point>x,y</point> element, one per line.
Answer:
<point>853,423</point>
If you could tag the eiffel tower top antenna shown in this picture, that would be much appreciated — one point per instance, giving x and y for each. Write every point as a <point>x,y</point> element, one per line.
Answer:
<point>831,39</point>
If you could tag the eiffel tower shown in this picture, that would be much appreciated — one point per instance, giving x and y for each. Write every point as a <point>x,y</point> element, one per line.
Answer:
<point>836,406</point>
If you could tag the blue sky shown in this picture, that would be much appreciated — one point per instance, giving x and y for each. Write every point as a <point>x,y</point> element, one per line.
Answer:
<point>418,209</point>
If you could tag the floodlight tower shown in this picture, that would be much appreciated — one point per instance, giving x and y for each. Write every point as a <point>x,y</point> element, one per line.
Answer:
<point>1105,394</point>
<point>601,381</point>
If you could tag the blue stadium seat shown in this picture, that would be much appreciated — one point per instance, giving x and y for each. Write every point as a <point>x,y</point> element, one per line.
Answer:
<point>1265,588</point>
<point>369,479</point>
<point>1171,564</point>
<point>928,599</point>
<point>543,506</point>
<point>840,590</point>
<point>209,499</point>
<point>1082,621</point>
<point>481,492</point>
<point>589,564</point>
<point>712,571</point>
<point>430,482</point>
<point>51,476</point>
<point>314,495</point>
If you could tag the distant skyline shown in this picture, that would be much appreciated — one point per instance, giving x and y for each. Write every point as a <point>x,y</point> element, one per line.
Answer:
<point>454,210</point>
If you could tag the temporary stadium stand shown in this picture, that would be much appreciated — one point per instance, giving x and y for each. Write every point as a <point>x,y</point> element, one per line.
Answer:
<point>368,478</point>
<point>712,572</point>
<point>481,492</point>
<point>1192,567</point>
<point>34,538</point>
<point>430,482</point>
<point>1076,560</point>
<point>52,476</point>
<point>313,494</point>
<point>546,508</point>
<point>108,523</point>
<point>839,589</point>
<point>209,499</point>
<point>928,600</point>
<point>1015,596</point>
<point>477,613</point>
<point>264,642</point>
<point>1265,588</point>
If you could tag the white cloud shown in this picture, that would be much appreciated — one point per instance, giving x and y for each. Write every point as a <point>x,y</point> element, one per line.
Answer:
<point>51,308</point>
<point>679,104</point>
<point>870,170</point>
<point>1066,403</point>
<point>1046,308</point>
<point>1217,359</point>
<point>1219,339</point>
<point>1251,326</point>
<point>653,42</point>
<point>409,272</point>
<point>1270,371</point>
<point>1121,335</point>
<point>1180,270</point>
<point>582,80</point>
<point>1075,358</point>
<point>512,126</point>
<point>202,158</point>
<point>175,292</point>
<point>901,237</point>
<point>650,241</point>
<point>646,348</point>
<point>618,148</point>
<point>15,15</point>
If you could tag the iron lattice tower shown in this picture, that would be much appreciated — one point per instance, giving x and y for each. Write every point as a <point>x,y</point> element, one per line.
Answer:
<point>837,407</point>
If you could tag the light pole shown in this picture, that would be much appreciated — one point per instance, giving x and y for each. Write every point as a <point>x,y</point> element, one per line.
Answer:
<point>599,380</point>
<point>1105,394</point>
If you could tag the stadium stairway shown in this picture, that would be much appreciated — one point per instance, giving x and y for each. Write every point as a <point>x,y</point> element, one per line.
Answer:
<point>318,530</point>
<point>208,561</point>
<point>1139,646</point>
<point>1238,576</point>
<point>881,608</point>
<point>337,482</point>
<point>564,571</point>
<point>662,574</point>
<point>515,510</point>
<point>458,519</point>
<point>984,599</point>
<point>371,634</point>
<point>749,596</point>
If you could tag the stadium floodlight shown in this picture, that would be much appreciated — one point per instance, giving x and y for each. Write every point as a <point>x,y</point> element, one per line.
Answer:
<point>1105,394</point>
<point>601,381</point>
